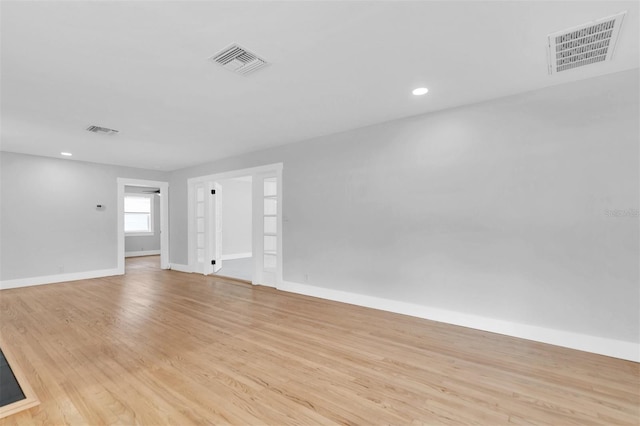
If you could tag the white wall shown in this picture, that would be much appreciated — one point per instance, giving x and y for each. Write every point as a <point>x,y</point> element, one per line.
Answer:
<point>49,223</point>
<point>497,209</point>
<point>236,217</point>
<point>144,243</point>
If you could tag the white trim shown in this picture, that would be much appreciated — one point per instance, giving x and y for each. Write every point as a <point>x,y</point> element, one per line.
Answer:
<point>164,219</point>
<point>141,253</point>
<point>181,268</point>
<point>237,173</point>
<point>51,279</point>
<point>237,256</point>
<point>583,342</point>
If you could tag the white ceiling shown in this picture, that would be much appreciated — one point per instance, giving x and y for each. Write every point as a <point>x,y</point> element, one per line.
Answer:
<point>142,68</point>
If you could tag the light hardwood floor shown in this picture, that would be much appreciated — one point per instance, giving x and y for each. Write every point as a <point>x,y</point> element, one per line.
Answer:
<point>162,347</point>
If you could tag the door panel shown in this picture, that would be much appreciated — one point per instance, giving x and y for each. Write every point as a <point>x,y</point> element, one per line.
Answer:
<point>270,231</point>
<point>200,249</point>
<point>216,234</point>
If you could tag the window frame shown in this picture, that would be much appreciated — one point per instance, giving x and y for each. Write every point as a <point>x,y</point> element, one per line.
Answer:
<point>151,215</point>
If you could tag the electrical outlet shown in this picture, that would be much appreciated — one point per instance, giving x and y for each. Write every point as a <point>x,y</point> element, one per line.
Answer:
<point>60,269</point>
<point>306,278</point>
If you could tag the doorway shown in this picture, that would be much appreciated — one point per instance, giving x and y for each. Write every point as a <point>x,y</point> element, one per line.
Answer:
<point>207,229</point>
<point>234,223</point>
<point>142,216</point>
<point>149,190</point>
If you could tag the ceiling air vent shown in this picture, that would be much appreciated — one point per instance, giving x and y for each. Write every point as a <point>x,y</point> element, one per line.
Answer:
<point>104,130</point>
<point>585,44</point>
<point>239,60</point>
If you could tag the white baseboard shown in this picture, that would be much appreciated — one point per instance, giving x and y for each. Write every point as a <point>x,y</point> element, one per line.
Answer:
<point>50,279</point>
<point>141,253</point>
<point>599,345</point>
<point>180,268</point>
<point>236,256</point>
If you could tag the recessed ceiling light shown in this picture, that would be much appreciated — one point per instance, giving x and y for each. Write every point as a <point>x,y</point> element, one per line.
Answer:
<point>420,91</point>
<point>66,154</point>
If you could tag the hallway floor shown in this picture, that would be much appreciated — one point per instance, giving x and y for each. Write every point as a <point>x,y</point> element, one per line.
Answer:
<point>237,268</point>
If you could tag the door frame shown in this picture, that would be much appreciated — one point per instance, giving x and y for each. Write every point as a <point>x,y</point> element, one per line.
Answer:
<point>164,219</point>
<point>257,208</point>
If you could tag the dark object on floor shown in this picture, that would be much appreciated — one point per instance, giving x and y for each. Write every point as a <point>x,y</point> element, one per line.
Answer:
<point>10,390</point>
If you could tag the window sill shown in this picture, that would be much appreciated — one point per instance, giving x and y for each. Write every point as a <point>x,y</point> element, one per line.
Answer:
<point>139,234</point>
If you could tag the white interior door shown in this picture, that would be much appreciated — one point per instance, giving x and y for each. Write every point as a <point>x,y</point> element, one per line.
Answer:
<point>207,248</point>
<point>216,234</point>
<point>200,228</point>
<point>270,263</point>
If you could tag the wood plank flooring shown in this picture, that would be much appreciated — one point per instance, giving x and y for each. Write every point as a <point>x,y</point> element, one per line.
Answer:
<point>162,347</point>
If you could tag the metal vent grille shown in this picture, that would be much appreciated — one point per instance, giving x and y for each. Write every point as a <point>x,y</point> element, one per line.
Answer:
<point>585,44</point>
<point>239,60</point>
<point>98,129</point>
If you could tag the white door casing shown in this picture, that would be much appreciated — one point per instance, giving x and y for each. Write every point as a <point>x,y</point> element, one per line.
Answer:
<point>164,219</point>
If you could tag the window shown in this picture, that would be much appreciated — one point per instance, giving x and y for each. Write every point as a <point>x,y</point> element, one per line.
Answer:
<point>138,214</point>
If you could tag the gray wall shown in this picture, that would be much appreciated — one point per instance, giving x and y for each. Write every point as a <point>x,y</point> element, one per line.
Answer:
<point>499,209</point>
<point>136,243</point>
<point>236,217</point>
<point>49,221</point>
